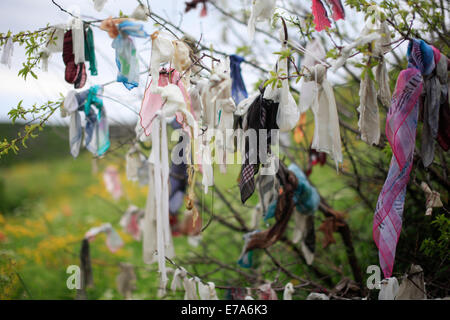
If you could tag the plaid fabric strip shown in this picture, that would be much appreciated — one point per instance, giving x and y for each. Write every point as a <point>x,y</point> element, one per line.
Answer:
<point>401,125</point>
<point>247,183</point>
<point>261,115</point>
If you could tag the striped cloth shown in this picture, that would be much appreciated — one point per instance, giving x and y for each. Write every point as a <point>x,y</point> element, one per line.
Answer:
<point>401,125</point>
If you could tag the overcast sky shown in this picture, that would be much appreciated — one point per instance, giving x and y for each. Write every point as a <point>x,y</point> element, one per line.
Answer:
<point>22,15</point>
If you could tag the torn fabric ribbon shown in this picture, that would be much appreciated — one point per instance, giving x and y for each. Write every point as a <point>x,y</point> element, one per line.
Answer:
<point>401,125</point>
<point>249,295</point>
<point>257,214</point>
<point>266,292</point>
<point>153,101</point>
<point>306,200</point>
<point>314,53</point>
<point>338,9</point>
<point>162,52</point>
<point>126,280</point>
<point>126,61</point>
<point>369,119</point>
<point>53,43</point>
<point>77,26</point>
<point>288,291</point>
<point>244,105</point>
<point>75,134</point>
<point>305,234</point>
<point>381,47</point>
<point>126,57</point>
<point>327,137</point>
<point>103,133</point>
<point>73,103</point>
<point>319,12</point>
<point>113,240</point>
<point>97,127</point>
<point>433,198</point>
<point>435,89</point>
<point>207,168</point>
<point>288,113</point>
<point>7,53</point>
<point>130,221</point>
<point>94,99</point>
<point>178,276</point>
<point>193,5</point>
<point>238,90</point>
<point>89,51</point>
<point>317,296</point>
<point>306,197</point>
<point>196,101</point>
<point>141,12</point>
<point>99,4</point>
<point>209,112</point>
<point>91,132</point>
<point>413,285</point>
<point>160,160</point>
<point>112,182</point>
<point>190,288</point>
<point>261,10</point>
<point>175,98</point>
<point>347,50</point>
<point>135,160</point>
<point>320,15</point>
<point>182,61</point>
<point>268,187</point>
<point>223,104</point>
<point>207,291</point>
<point>246,258</point>
<point>389,289</point>
<point>150,224</point>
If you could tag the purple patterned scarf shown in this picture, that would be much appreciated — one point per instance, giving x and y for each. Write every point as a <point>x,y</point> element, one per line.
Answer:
<point>401,125</point>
